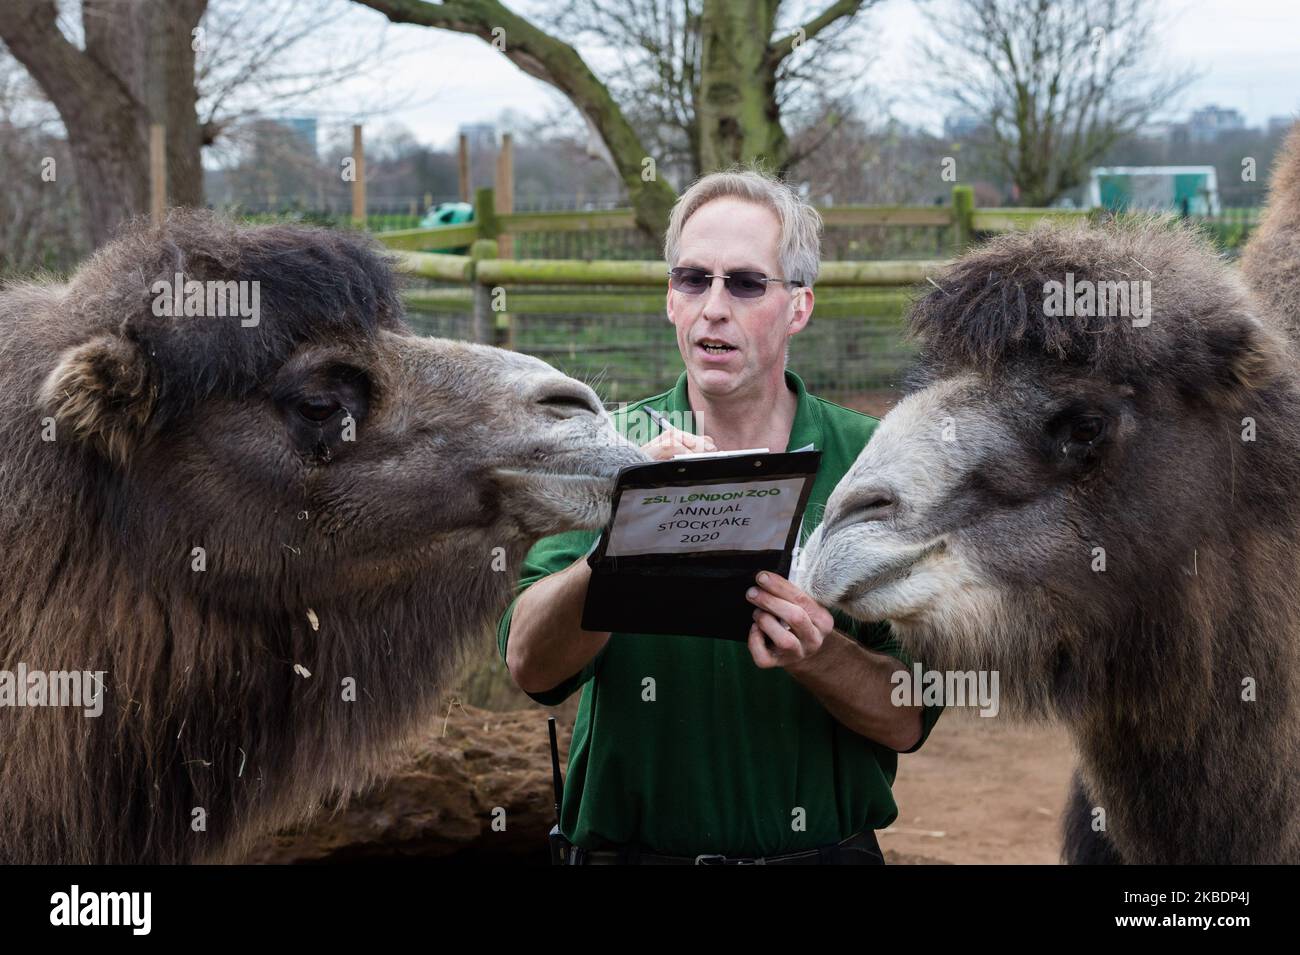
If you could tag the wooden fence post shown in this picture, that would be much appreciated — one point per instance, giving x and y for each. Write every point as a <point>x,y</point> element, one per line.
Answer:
<point>963,214</point>
<point>505,191</point>
<point>485,214</point>
<point>481,322</point>
<point>462,166</point>
<point>157,172</point>
<point>359,178</point>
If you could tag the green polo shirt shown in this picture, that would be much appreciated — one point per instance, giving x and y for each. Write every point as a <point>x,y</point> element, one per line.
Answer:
<point>682,745</point>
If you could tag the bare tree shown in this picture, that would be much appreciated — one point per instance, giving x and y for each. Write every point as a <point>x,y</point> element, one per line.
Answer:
<point>708,69</point>
<point>653,49</point>
<point>136,67</point>
<point>1055,82</point>
<point>748,48</point>
<point>658,71</point>
<point>262,55</point>
<point>877,162</point>
<point>38,226</point>
<point>113,67</point>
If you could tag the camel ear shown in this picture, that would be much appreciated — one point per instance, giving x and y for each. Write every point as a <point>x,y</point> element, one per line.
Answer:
<point>1245,356</point>
<point>101,390</point>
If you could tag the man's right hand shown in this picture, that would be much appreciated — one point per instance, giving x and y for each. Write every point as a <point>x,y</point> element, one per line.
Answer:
<point>546,643</point>
<point>671,442</point>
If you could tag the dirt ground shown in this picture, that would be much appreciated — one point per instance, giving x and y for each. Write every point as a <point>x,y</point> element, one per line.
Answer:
<point>981,791</point>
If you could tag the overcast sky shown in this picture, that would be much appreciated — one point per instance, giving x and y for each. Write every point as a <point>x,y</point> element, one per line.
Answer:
<point>1247,50</point>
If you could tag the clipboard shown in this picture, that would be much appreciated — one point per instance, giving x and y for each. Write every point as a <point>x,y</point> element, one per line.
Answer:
<point>658,566</point>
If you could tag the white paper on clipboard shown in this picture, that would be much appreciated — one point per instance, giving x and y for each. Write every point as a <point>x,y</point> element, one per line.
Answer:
<point>740,515</point>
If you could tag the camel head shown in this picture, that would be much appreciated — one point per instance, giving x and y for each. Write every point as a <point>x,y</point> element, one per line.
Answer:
<point>296,430</point>
<point>1051,478</point>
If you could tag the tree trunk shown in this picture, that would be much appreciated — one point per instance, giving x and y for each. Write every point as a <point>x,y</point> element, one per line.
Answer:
<point>180,100</point>
<point>555,62</point>
<point>104,97</point>
<point>736,111</point>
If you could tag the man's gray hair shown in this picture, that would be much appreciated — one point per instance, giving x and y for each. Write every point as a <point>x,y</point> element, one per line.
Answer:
<point>800,246</point>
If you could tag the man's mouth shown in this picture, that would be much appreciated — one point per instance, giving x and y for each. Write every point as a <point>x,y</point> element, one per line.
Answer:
<point>714,347</point>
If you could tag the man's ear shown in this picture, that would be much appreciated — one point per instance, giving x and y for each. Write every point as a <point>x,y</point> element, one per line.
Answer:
<point>102,392</point>
<point>801,306</point>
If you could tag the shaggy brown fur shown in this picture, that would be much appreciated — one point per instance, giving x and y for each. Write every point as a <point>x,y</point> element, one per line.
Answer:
<point>1146,661</point>
<point>1173,448</point>
<point>362,499</point>
<point>1271,262</point>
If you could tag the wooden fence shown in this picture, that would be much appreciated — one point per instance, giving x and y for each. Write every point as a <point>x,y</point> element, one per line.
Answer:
<point>601,318</point>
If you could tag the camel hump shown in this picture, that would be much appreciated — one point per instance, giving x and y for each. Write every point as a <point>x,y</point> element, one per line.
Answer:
<point>1271,261</point>
<point>1284,187</point>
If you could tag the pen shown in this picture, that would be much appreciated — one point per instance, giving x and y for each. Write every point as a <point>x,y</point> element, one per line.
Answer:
<point>659,419</point>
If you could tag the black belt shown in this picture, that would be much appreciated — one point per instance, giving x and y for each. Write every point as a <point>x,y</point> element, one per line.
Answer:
<point>861,849</point>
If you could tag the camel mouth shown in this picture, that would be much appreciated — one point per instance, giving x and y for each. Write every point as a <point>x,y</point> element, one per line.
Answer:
<point>554,477</point>
<point>881,591</point>
<point>550,502</point>
<point>890,572</point>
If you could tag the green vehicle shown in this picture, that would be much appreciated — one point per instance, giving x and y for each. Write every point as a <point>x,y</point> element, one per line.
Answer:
<point>449,213</point>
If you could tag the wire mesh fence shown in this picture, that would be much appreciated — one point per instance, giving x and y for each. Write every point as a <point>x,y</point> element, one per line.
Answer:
<point>621,343</point>
<point>867,242</point>
<point>610,244</point>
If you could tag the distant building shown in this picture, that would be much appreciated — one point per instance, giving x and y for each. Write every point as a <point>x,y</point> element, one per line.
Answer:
<point>1210,122</point>
<point>1160,131</point>
<point>303,129</point>
<point>1280,124</point>
<point>1189,190</point>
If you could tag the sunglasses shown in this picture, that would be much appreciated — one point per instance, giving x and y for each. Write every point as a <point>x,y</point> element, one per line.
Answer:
<point>738,284</point>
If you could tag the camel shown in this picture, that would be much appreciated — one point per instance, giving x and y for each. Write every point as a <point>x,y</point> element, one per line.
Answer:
<point>268,538</point>
<point>1271,258</point>
<point>1105,509</point>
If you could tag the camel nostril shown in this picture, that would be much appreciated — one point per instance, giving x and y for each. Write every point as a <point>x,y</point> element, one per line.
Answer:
<point>878,508</point>
<point>870,504</point>
<point>567,402</point>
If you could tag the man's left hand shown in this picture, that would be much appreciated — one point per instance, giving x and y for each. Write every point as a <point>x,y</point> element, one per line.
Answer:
<point>795,625</point>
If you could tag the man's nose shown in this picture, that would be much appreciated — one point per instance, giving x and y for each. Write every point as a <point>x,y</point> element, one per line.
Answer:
<point>717,300</point>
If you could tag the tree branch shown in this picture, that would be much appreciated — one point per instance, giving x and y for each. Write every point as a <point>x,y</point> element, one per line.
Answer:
<point>558,64</point>
<point>838,10</point>
<point>67,75</point>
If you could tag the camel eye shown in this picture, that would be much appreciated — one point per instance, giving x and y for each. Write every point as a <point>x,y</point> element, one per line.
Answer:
<point>318,409</point>
<point>1087,429</point>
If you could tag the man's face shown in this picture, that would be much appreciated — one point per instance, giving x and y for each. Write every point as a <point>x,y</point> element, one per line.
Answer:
<point>724,236</point>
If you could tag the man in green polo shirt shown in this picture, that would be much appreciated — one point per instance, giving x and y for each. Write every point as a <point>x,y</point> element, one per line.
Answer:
<point>783,748</point>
